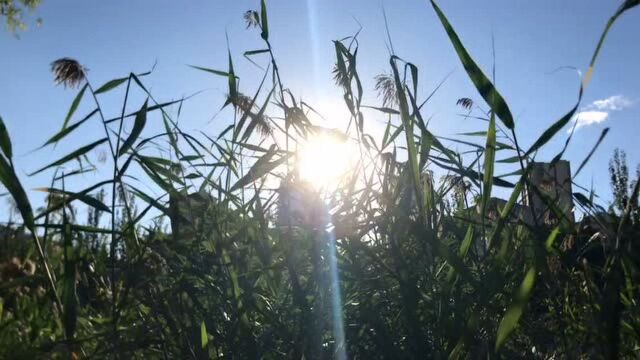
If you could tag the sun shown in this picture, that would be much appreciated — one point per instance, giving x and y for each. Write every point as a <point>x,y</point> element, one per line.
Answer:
<point>324,160</point>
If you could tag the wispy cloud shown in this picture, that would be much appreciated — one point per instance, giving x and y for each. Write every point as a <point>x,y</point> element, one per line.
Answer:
<point>613,103</point>
<point>599,110</point>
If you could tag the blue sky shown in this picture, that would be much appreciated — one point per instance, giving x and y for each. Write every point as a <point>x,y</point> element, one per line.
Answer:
<point>532,39</point>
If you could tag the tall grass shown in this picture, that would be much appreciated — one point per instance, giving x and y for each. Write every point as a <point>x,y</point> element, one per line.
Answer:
<point>421,273</point>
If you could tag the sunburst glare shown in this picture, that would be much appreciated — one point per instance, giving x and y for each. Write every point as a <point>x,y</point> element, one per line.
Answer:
<point>325,159</point>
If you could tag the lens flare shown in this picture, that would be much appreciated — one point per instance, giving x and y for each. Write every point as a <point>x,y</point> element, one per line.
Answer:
<point>324,160</point>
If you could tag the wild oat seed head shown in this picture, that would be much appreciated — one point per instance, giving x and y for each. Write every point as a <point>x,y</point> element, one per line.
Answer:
<point>251,18</point>
<point>386,88</point>
<point>68,72</point>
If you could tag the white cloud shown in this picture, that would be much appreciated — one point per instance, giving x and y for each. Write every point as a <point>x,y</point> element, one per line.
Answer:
<point>599,110</point>
<point>586,118</point>
<point>612,103</point>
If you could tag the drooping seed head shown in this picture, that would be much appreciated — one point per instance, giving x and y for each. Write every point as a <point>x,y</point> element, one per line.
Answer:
<point>386,88</point>
<point>251,18</point>
<point>68,72</point>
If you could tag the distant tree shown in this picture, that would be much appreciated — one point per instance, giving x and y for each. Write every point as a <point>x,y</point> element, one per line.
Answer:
<point>621,186</point>
<point>13,12</point>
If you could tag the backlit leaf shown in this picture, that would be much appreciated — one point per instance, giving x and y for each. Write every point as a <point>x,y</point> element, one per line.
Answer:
<point>109,85</point>
<point>73,155</point>
<point>138,125</point>
<point>479,79</point>
<point>10,181</point>
<point>67,130</point>
<point>74,105</point>
<point>85,198</point>
<point>5,140</point>
<point>514,312</point>
<point>204,337</point>
<point>264,22</point>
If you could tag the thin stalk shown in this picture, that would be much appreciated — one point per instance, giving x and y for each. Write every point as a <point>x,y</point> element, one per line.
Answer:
<point>50,276</point>
<point>104,123</point>
<point>46,218</point>
<point>114,241</point>
<point>526,196</point>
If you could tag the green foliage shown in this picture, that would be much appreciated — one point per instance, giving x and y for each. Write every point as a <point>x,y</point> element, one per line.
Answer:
<point>13,12</point>
<point>211,245</point>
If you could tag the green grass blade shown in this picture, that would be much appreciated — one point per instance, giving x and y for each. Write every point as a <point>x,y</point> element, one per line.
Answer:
<point>151,108</point>
<point>5,140</point>
<point>85,198</point>
<point>170,133</point>
<point>549,133</point>
<point>627,5</point>
<point>73,155</point>
<point>474,133</point>
<point>514,312</point>
<point>74,105</point>
<point>385,137</point>
<point>414,78</point>
<point>385,110</point>
<point>509,160</point>
<point>566,144</point>
<point>564,221</point>
<point>258,117</point>
<point>189,158</point>
<point>551,239</point>
<point>204,337</point>
<point>593,149</point>
<point>233,84</point>
<point>212,71</point>
<point>10,181</point>
<point>67,130</point>
<point>553,129</point>
<point>138,126</point>
<point>263,166</point>
<point>78,228</point>
<point>393,136</point>
<point>506,212</point>
<point>407,121</point>
<point>264,21</point>
<point>72,197</point>
<point>489,160</point>
<point>252,147</point>
<point>484,86</point>
<point>149,200</point>
<point>237,127</point>
<point>466,242</point>
<point>160,166</point>
<point>471,174</point>
<point>255,52</point>
<point>223,132</point>
<point>110,85</point>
